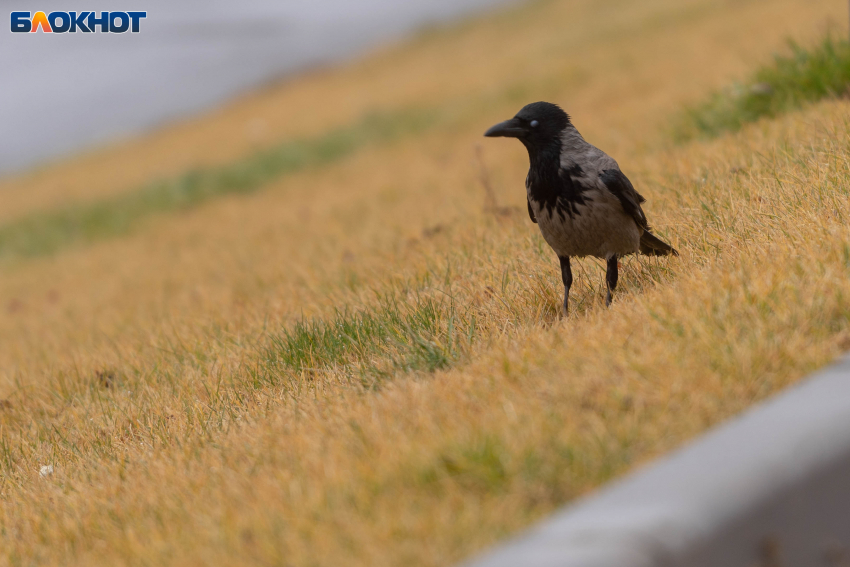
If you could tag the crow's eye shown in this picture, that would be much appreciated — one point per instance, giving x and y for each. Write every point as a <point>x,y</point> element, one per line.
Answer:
<point>534,123</point>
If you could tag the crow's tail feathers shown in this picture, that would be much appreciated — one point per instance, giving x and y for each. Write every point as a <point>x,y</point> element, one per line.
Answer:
<point>651,245</point>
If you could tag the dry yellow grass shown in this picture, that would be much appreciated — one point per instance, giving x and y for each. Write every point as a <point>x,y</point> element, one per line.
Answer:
<point>179,456</point>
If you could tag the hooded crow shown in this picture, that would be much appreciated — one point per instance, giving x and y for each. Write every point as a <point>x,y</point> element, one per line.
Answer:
<point>577,195</point>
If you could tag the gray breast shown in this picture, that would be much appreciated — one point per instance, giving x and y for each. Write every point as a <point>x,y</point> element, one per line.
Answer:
<point>598,228</point>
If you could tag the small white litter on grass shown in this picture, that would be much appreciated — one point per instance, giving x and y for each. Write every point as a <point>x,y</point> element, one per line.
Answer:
<point>46,470</point>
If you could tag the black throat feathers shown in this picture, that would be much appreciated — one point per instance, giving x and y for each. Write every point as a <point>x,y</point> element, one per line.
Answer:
<point>556,189</point>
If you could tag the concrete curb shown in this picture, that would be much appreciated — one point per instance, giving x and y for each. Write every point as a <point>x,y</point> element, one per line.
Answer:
<point>770,488</point>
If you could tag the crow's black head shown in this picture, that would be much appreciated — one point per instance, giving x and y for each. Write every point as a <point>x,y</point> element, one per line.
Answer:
<point>537,125</point>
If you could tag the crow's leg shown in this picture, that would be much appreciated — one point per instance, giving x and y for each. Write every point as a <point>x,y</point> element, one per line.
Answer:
<point>567,276</point>
<point>611,279</point>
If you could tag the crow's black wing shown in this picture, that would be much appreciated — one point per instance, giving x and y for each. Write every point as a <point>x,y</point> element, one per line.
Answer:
<point>622,188</point>
<point>531,212</point>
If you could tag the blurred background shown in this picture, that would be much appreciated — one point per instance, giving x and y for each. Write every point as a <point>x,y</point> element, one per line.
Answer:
<point>66,92</point>
<point>269,297</point>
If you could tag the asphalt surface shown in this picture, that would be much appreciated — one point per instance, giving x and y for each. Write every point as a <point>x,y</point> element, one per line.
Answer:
<point>769,488</point>
<point>62,93</point>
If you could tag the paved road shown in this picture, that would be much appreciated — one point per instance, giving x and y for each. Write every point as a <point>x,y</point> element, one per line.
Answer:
<point>771,487</point>
<point>60,93</point>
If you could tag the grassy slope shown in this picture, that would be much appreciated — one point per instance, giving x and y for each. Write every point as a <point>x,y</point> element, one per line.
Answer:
<point>806,74</point>
<point>48,231</point>
<point>208,443</point>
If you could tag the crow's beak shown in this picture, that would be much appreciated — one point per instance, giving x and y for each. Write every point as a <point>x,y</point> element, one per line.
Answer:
<point>509,129</point>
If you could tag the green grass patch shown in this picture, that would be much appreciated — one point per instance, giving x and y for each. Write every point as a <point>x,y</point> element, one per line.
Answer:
<point>792,80</point>
<point>399,336</point>
<point>47,232</point>
<point>481,466</point>
<point>549,469</point>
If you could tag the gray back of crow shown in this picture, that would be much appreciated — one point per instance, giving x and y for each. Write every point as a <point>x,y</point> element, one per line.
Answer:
<point>597,165</point>
<point>601,170</point>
